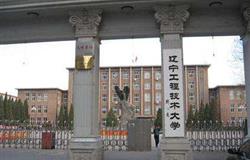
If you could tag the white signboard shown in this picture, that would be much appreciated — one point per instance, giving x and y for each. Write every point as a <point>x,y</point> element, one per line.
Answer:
<point>173,92</point>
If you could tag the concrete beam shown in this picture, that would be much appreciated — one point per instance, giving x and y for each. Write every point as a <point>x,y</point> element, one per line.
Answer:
<point>118,25</point>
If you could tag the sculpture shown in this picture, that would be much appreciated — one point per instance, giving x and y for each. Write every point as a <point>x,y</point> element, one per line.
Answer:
<point>127,112</point>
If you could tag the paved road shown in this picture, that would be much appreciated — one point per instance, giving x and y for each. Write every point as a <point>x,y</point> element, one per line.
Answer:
<point>32,154</point>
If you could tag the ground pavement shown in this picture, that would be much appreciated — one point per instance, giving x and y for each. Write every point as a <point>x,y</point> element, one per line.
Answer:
<point>38,154</point>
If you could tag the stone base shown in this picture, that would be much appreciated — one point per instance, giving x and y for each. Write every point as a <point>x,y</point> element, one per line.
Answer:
<point>86,149</point>
<point>175,149</point>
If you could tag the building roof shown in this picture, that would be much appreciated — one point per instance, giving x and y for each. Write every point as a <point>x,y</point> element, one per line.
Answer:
<point>141,66</point>
<point>19,89</point>
<point>198,65</point>
<point>228,86</point>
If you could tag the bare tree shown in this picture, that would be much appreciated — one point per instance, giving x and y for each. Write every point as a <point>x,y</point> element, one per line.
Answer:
<point>237,60</point>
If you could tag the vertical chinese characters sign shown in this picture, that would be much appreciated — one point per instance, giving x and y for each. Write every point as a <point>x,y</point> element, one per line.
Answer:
<point>84,55</point>
<point>173,92</point>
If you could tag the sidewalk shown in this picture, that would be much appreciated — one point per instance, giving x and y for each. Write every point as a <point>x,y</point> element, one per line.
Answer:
<point>38,154</point>
<point>153,155</point>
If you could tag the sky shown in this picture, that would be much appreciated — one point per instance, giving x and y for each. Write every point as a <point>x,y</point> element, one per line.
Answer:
<point>44,65</point>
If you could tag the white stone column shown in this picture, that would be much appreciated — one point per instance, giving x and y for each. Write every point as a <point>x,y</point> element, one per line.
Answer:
<point>246,52</point>
<point>174,144</point>
<point>86,143</point>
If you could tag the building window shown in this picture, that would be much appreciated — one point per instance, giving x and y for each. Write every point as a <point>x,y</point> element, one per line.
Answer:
<point>104,86</point>
<point>157,75</point>
<point>157,97</point>
<point>33,108</point>
<point>191,73</point>
<point>231,95</point>
<point>158,85</point>
<point>104,109</point>
<point>191,96</point>
<point>45,109</point>
<point>190,85</point>
<point>147,85</point>
<point>147,109</point>
<point>240,107</point>
<point>125,84</point>
<point>39,109</point>
<point>45,97</point>
<point>39,119</point>
<point>104,97</point>
<point>39,97</point>
<point>136,86</point>
<point>115,98</point>
<point>45,119</point>
<point>232,107</point>
<point>137,75</point>
<point>27,96</point>
<point>125,75</point>
<point>104,76</point>
<point>147,97</point>
<point>136,97</point>
<point>33,96</point>
<point>238,95</point>
<point>114,75</point>
<point>146,75</point>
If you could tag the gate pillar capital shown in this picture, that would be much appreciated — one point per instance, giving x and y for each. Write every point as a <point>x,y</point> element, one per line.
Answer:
<point>172,18</point>
<point>86,22</point>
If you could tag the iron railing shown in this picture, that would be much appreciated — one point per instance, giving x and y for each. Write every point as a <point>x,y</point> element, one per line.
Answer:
<point>215,137</point>
<point>14,134</point>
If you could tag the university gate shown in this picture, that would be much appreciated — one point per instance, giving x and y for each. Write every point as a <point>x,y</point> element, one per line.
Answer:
<point>89,21</point>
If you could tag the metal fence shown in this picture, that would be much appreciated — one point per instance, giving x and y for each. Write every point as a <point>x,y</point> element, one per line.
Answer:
<point>114,139</point>
<point>14,134</point>
<point>215,140</point>
<point>26,135</point>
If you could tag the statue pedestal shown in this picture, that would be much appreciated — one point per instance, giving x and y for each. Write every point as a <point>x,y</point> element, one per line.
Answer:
<point>139,135</point>
<point>175,149</point>
<point>86,149</point>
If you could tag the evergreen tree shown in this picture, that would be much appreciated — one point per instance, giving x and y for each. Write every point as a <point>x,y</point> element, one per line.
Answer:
<point>214,113</point>
<point>201,112</point>
<point>25,110</point>
<point>14,109</point>
<point>21,106</point>
<point>190,118</point>
<point>111,119</point>
<point>5,107</point>
<point>207,113</point>
<point>71,117</point>
<point>61,116</point>
<point>158,120</point>
<point>11,108</point>
<point>18,105</point>
<point>1,108</point>
<point>66,115</point>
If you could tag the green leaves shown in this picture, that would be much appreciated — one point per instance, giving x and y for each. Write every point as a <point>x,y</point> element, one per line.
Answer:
<point>11,109</point>
<point>158,120</point>
<point>111,119</point>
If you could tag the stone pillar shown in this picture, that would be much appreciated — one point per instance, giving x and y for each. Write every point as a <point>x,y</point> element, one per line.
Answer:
<point>174,145</point>
<point>86,143</point>
<point>246,52</point>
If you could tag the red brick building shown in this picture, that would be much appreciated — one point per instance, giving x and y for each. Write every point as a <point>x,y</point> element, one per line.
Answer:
<point>230,102</point>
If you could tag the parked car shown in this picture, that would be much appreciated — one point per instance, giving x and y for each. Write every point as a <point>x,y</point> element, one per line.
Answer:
<point>243,153</point>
